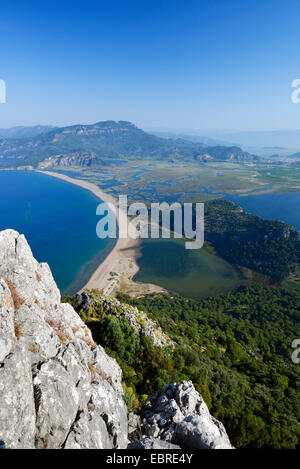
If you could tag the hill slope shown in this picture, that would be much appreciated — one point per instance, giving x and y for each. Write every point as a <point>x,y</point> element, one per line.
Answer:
<point>25,132</point>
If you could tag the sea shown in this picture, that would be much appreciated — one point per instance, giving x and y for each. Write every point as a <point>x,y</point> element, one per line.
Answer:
<point>59,222</point>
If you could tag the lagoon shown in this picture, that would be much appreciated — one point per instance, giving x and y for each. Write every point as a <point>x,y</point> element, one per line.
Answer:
<point>192,273</point>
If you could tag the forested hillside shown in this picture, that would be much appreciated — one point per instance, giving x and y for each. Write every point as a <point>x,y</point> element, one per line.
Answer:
<point>235,348</point>
<point>268,247</point>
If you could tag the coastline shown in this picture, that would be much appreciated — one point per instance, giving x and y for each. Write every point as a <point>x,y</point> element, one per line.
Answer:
<point>119,267</point>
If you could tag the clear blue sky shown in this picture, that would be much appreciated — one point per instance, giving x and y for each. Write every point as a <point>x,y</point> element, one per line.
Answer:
<point>205,64</point>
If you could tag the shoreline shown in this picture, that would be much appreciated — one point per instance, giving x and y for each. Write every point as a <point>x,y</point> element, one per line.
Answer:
<point>119,267</point>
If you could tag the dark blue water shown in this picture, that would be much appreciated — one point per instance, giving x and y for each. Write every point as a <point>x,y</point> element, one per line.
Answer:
<point>284,207</point>
<point>59,221</point>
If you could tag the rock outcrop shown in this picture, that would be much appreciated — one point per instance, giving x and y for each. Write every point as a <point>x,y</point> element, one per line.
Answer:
<point>88,301</point>
<point>76,158</point>
<point>180,416</point>
<point>57,388</point>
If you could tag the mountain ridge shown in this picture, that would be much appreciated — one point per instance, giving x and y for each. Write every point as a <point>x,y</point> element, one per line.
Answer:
<point>25,131</point>
<point>111,139</point>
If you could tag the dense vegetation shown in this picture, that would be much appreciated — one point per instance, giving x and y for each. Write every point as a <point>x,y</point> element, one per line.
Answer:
<point>268,247</point>
<point>235,348</point>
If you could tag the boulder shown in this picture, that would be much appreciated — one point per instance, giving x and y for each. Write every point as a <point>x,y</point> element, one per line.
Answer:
<point>201,432</point>
<point>179,415</point>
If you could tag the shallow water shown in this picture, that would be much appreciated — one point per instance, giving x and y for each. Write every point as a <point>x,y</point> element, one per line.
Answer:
<point>193,273</point>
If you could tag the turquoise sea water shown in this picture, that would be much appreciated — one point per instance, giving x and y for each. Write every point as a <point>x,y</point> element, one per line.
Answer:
<point>59,222</point>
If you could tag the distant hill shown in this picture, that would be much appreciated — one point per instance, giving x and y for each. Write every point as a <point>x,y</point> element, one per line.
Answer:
<point>25,132</point>
<point>103,141</point>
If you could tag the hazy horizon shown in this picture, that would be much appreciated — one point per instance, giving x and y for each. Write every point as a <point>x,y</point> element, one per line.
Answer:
<point>208,131</point>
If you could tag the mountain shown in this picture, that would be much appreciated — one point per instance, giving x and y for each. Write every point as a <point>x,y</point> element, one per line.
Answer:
<point>25,132</point>
<point>109,140</point>
<point>60,390</point>
<point>225,153</point>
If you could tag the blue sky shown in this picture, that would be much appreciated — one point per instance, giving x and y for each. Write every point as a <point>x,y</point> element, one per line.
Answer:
<point>205,64</point>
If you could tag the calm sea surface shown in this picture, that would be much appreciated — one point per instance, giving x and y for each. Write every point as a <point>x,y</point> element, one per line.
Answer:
<point>284,207</point>
<point>59,222</point>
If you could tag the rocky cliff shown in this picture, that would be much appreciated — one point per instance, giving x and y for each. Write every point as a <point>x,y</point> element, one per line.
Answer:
<point>76,158</point>
<point>58,389</point>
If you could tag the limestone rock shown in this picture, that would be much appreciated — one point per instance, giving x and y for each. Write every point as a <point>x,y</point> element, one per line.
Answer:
<point>17,410</point>
<point>201,432</point>
<point>134,427</point>
<point>180,415</point>
<point>28,279</point>
<point>58,389</point>
<point>88,432</point>
<point>7,330</point>
<point>152,443</point>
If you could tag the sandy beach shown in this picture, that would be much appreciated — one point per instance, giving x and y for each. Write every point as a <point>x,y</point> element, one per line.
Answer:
<point>119,267</point>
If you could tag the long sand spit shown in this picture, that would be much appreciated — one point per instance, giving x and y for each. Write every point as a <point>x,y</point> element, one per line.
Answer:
<point>121,260</point>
